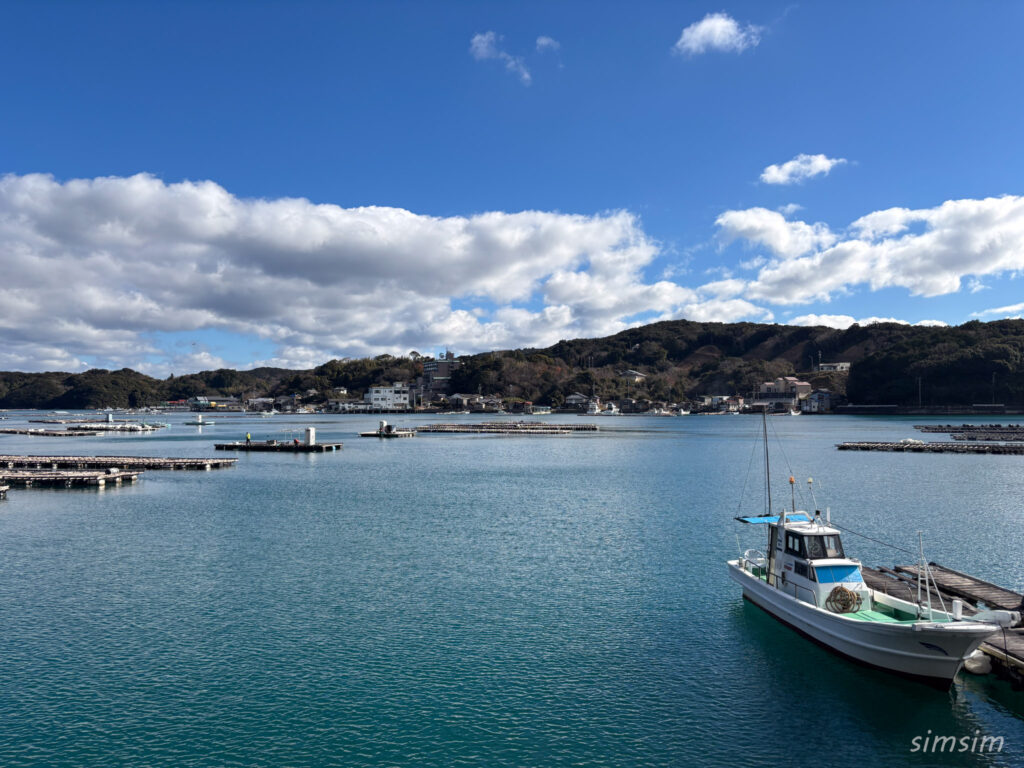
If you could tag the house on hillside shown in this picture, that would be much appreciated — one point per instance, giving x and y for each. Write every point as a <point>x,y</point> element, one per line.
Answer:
<point>632,376</point>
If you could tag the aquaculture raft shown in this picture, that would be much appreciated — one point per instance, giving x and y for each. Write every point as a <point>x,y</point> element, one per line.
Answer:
<point>106,462</point>
<point>50,432</point>
<point>1005,449</point>
<point>508,428</point>
<point>278,446</point>
<point>981,432</point>
<point>28,478</point>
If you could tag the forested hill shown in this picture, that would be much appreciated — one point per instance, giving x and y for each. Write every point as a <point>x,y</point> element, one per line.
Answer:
<point>972,363</point>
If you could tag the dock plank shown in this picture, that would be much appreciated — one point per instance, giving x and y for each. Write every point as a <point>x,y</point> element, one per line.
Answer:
<point>970,587</point>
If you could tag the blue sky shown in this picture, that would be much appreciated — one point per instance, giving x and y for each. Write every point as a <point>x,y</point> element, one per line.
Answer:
<point>190,185</point>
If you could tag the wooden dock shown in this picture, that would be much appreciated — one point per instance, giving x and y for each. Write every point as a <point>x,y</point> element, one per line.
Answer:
<point>28,478</point>
<point>107,462</point>
<point>969,587</point>
<point>1004,648</point>
<point>507,428</point>
<point>278,446</point>
<point>1001,449</point>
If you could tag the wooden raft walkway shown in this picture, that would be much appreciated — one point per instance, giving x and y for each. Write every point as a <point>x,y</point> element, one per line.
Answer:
<point>967,428</point>
<point>969,587</point>
<point>1003,449</point>
<point>508,428</point>
<point>1006,649</point>
<point>107,462</point>
<point>49,432</point>
<point>26,478</point>
<point>278,446</point>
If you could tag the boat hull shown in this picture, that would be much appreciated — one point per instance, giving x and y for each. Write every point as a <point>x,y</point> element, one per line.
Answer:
<point>926,651</point>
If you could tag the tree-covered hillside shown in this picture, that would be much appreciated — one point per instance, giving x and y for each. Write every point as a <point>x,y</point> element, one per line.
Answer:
<point>892,364</point>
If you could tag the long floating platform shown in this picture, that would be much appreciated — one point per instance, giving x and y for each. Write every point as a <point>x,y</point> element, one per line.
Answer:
<point>66,479</point>
<point>50,432</point>
<point>108,462</point>
<point>275,446</point>
<point>968,428</point>
<point>508,428</point>
<point>1004,449</point>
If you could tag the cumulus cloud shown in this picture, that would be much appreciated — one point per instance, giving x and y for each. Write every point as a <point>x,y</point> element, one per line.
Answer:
<point>545,43</point>
<point>484,46</point>
<point>770,228</point>
<point>800,168</point>
<point>95,270</point>
<point>845,321</point>
<point>928,251</point>
<point>717,32</point>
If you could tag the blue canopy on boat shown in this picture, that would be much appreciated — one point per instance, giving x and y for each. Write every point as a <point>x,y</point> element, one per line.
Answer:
<point>835,574</point>
<point>771,519</point>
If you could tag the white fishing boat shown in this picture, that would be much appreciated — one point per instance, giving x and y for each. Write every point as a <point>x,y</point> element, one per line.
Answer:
<point>807,582</point>
<point>610,410</point>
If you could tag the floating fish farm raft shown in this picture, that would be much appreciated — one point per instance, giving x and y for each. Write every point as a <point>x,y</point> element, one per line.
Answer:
<point>278,446</point>
<point>30,478</point>
<point>107,462</point>
<point>507,428</point>
<point>1003,449</point>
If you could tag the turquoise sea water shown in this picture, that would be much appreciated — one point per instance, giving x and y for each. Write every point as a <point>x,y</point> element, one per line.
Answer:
<point>473,601</point>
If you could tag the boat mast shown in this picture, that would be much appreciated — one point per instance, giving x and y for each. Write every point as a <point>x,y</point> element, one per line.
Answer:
<point>774,531</point>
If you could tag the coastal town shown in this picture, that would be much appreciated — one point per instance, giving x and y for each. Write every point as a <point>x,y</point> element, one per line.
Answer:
<point>431,392</point>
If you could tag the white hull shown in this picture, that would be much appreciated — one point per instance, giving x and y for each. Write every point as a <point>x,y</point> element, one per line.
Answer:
<point>933,651</point>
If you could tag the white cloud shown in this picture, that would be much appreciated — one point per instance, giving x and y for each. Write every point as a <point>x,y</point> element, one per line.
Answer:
<point>771,229</point>
<point>1014,311</point>
<point>789,209</point>
<point>716,32</point>
<point>94,270</point>
<point>545,43</point>
<point>845,321</point>
<point>953,242</point>
<point>484,46</point>
<point>798,169</point>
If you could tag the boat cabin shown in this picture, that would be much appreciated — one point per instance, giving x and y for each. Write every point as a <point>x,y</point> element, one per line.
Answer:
<point>806,558</point>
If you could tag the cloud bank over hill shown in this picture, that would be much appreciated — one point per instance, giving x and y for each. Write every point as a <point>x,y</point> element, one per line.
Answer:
<point>96,270</point>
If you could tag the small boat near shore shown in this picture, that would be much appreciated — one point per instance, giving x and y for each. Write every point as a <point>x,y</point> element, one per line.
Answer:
<point>807,582</point>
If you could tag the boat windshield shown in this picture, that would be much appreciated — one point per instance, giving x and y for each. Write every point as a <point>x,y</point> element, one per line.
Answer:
<point>824,546</point>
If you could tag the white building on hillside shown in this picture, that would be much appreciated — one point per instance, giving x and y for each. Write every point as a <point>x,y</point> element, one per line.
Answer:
<point>393,398</point>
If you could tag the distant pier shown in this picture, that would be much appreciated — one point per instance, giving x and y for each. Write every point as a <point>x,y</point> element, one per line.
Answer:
<point>1003,449</point>
<point>508,428</point>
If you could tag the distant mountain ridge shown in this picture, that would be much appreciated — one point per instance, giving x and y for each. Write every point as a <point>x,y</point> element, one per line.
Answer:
<point>892,364</point>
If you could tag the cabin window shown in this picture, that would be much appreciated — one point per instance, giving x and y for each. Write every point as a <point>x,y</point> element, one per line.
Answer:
<point>827,546</point>
<point>800,569</point>
<point>795,545</point>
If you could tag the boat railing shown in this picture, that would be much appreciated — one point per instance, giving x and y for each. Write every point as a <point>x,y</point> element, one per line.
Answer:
<point>798,592</point>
